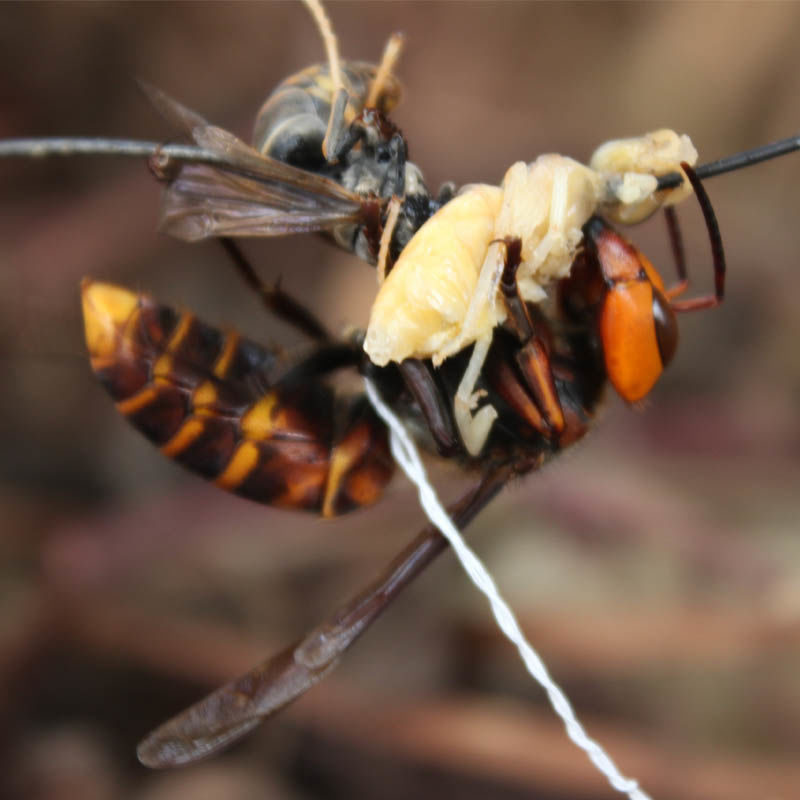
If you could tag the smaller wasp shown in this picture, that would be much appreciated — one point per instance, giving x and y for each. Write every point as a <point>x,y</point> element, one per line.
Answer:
<point>325,158</point>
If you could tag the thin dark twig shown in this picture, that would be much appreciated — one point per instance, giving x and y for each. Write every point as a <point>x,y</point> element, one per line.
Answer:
<point>131,148</point>
<point>737,161</point>
<point>274,298</point>
<point>87,146</point>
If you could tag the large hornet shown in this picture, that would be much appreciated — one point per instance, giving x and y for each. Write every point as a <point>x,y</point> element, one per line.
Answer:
<point>502,313</point>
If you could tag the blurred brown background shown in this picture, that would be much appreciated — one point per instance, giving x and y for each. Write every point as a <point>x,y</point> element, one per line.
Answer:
<point>657,567</point>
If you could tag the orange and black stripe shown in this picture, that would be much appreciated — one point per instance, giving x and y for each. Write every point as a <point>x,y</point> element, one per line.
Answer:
<point>214,403</point>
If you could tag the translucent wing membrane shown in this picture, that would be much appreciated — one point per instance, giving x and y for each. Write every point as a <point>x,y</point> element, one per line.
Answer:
<point>231,711</point>
<point>251,195</point>
<point>203,201</point>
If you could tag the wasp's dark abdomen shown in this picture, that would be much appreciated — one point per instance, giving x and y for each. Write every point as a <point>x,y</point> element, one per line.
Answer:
<point>292,122</point>
<point>216,403</point>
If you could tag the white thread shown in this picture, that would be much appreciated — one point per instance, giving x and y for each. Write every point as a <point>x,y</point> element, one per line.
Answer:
<point>405,453</point>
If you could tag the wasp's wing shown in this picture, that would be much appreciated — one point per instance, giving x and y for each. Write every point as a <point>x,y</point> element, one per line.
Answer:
<point>176,114</point>
<point>203,201</point>
<point>229,713</point>
<point>250,194</point>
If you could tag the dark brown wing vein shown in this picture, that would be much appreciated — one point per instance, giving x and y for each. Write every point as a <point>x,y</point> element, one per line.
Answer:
<point>203,201</point>
<point>236,708</point>
<point>252,195</point>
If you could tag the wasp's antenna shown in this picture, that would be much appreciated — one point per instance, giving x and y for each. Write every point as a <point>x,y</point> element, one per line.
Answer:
<point>325,29</point>
<point>390,55</point>
<point>737,161</point>
<point>339,93</point>
<point>717,251</point>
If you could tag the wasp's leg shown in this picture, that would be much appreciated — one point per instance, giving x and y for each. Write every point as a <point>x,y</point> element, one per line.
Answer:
<point>717,251</point>
<point>534,363</point>
<point>384,262</point>
<point>279,302</point>
<point>533,359</point>
<point>341,137</point>
<point>338,135</point>
<point>420,380</point>
<point>503,379</point>
<point>473,428</point>
<point>230,712</point>
<point>396,155</point>
<point>518,317</point>
<point>678,253</point>
<point>324,360</point>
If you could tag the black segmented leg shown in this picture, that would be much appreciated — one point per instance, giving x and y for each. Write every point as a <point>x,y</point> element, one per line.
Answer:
<point>532,358</point>
<point>394,183</point>
<point>717,251</point>
<point>503,379</point>
<point>279,302</point>
<point>678,252</point>
<point>421,382</point>
<point>534,363</point>
<point>337,139</point>
<point>518,316</point>
<point>323,360</point>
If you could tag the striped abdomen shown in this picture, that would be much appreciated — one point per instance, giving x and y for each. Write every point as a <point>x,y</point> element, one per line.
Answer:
<point>292,122</point>
<point>216,403</point>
